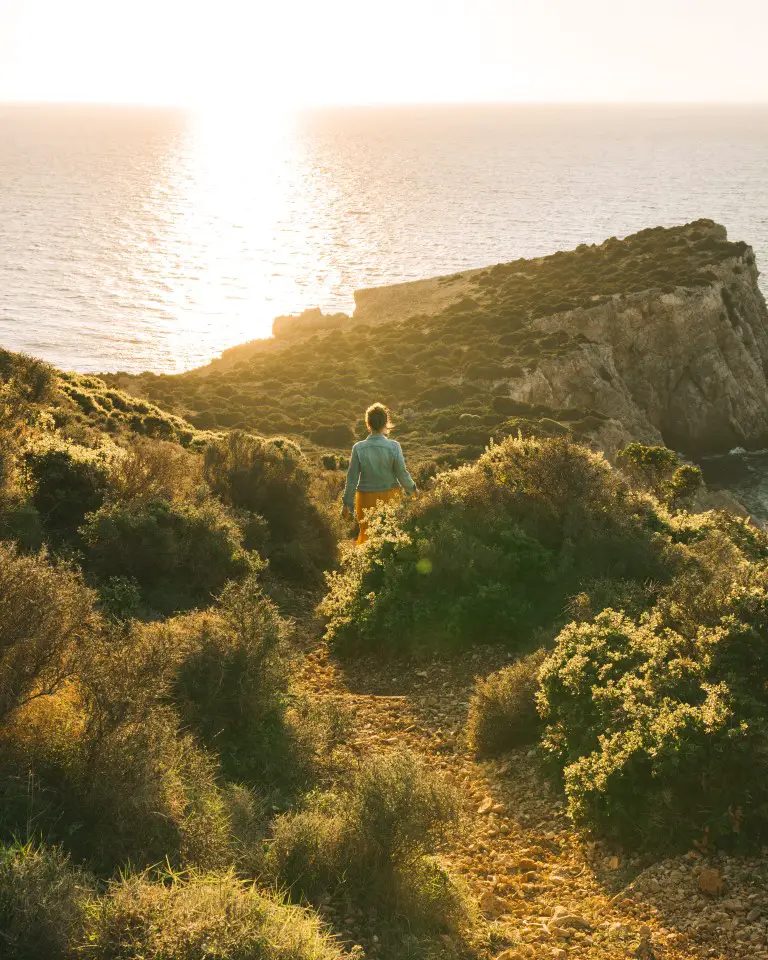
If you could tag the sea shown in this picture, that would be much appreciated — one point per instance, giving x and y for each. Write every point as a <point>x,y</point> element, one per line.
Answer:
<point>152,239</point>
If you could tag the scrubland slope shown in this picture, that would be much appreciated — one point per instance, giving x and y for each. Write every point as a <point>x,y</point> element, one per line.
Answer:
<point>528,719</point>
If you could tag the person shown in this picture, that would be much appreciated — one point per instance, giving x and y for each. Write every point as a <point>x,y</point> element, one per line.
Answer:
<point>377,471</point>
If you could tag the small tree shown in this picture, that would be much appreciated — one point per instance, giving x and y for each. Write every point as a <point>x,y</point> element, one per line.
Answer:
<point>683,486</point>
<point>649,467</point>
<point>658,470</point>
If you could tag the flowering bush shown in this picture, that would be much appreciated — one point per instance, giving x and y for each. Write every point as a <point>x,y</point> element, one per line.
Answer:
<point>492,551</point>
<point>661,724</point>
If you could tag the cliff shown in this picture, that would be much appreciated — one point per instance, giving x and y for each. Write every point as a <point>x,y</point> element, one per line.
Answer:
<point>661,337</point>
<point>683,360</point>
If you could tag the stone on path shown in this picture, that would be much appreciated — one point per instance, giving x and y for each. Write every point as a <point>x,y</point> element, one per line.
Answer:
<point>711,882</point>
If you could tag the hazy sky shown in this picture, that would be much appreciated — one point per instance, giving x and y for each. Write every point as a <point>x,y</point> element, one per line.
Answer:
<point>362,51</point>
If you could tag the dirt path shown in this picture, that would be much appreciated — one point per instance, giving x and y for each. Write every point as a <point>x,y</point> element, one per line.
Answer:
<point>543,891</point>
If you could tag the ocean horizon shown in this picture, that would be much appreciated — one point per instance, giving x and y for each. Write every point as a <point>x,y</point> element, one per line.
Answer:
<point>151,239</point>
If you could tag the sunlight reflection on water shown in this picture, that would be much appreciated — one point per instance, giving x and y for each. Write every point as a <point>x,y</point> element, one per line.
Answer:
<point>145,239</point>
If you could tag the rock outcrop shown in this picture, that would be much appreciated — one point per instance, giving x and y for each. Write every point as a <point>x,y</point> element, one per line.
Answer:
<point>684,360</point>
<point>694,361</point>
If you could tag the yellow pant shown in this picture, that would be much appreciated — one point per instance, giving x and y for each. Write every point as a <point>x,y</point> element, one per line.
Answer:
<point>365,502</point>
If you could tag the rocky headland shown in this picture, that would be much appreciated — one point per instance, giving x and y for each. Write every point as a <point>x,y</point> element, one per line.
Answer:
<point>661,337</point>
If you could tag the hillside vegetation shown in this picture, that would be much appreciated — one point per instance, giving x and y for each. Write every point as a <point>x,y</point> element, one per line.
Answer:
<point>653,695</point>
<point>226,733</point>
<point>151,725</point>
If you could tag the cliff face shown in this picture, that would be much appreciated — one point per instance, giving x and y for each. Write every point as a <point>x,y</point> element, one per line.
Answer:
<point>685,363</point>
<point>586,378</point>
<point>694,361</point>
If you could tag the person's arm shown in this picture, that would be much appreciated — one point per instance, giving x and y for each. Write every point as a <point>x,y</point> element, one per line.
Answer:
<point>401,472</point>
<point>353,476</point>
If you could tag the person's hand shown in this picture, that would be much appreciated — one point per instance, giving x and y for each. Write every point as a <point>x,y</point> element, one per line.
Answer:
<point>346,513</point>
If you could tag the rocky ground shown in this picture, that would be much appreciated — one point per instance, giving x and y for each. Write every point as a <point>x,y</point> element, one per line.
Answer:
<point>542,889</point>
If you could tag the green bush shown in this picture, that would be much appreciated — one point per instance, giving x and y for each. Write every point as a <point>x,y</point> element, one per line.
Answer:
<point>493,551</point>
<point>50,909</point>
<point>102,767</point>
<point>338,435</point>
<point>180,554</point>
<point>154,470</point>
<point>143,795</point>
<point>20,523</point>
<point>26,382</point>
<point>661,725</point>
<point>46,617</point>
<point>41,903</point>
<point>270,479</point>
<point>101,722</point>
<point>682,487</point>
<point>372,839</point>
<point>67,484</point>
<point>649,467</point>
<point>230,684</point>
<point>503,712</point>
<point>198,918</point>
<point>120,599</point>
<point>442,396</point>
<point>425,472</point>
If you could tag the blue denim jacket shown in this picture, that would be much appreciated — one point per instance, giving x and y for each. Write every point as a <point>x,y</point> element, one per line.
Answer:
<point>377,464</point>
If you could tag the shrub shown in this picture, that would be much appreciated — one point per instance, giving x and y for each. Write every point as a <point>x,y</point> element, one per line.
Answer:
<point>32,379</point>
<point>46,616</point>
<point>443,396</point>
<point>199,917</point>
<point>270,479</point>
<point>425,472</point>
<point>493,551</point>
<point>372,839</point>
<point>20,523</point>
<point>338,435</point>
<point>102,768</point>
<point>658,469</point>
<point>230,683</point>
<point>180,554</point>
<point>41,901</point>
<point>110,765</point>
<point>506,406</point>
<point>145,795</point>
<point>682,487</point>
<point>67,484</point>
<point>661,725</point>
<point>83,399</point>
<point>648,466</point>
<point>154,470</point>
<point>503,712</point>
<point>120,599</point>
<point>50,909</point>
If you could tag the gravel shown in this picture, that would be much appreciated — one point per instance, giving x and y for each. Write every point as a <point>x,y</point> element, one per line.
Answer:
<point>543,891</point>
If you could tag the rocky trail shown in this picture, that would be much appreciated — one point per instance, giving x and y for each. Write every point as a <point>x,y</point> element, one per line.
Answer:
<point>543,891</point>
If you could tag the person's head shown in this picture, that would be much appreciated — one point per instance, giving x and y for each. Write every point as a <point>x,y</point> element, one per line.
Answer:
<point>377,418</point>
